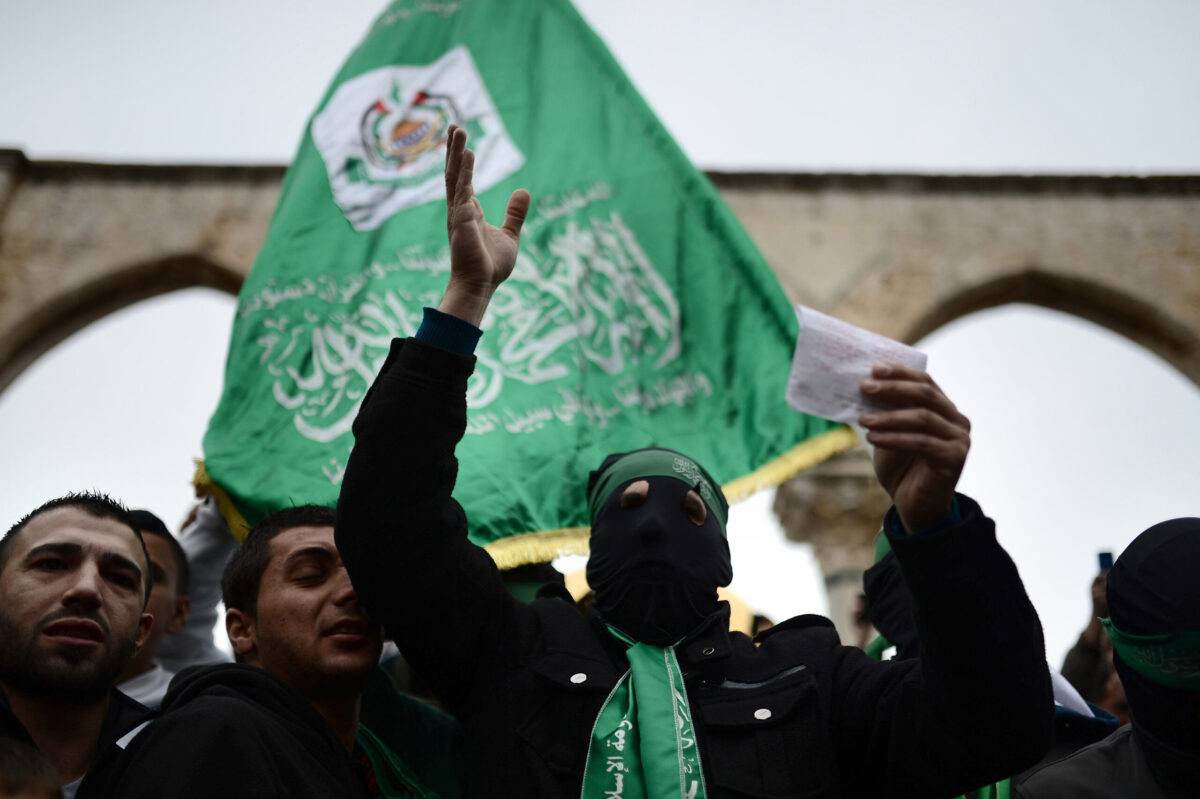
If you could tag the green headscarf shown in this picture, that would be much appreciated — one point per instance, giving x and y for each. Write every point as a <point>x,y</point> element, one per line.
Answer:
<point>1170,659</point>
<point>657,462</point>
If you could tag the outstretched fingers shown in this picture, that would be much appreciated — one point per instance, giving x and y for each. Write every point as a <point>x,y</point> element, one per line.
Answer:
<point>515,213</point>
<point>464,191</point>
<point>456,141</point>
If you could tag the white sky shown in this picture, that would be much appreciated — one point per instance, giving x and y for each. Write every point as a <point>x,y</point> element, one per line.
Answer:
<point>924,85</point>
<point>1080,436</point>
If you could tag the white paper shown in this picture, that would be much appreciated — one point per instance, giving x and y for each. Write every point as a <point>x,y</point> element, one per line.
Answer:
<point>832,359</point>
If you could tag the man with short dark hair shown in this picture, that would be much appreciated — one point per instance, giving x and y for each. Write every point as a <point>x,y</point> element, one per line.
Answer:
<point>289,718</point>
<point>74,581</point>
<point>145,679</point>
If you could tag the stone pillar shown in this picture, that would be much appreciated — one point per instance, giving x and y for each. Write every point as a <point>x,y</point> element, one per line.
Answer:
<point>837,507</point>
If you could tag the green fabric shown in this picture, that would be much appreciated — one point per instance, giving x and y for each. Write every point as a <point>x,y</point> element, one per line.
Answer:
<point>877,647</point>
<point>639,313</point>
<point>1170,659</point>
<point>658,463</point>
<point>393,779</point>
<point>883,545</point>
<point>426,740</point>
<point>999,790</point>
<point>643,744</point>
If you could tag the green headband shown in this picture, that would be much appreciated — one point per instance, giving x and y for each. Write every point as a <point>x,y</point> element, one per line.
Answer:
<point>1170,659</point>
<point>658,463</point>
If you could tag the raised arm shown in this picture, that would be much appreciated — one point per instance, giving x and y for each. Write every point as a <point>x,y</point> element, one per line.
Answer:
<point>977,705</point>
<point>401,534</point>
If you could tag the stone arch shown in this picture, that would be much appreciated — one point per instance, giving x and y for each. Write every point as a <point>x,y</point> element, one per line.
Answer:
<point>79,241</point>
<point>905,254</point>
<point>1086,297</point>
<point>32,329</point>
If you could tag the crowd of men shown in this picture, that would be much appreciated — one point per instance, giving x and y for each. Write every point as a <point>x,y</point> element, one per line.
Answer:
<point>110,685</point>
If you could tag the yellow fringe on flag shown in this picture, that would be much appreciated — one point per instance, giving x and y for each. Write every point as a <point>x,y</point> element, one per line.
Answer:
<point>804,455</point>
<point>543,546</point>
<point>205,487</point>
<point>538,547</point>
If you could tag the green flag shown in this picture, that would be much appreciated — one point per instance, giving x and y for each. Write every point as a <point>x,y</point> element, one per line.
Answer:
<point>639,312</point>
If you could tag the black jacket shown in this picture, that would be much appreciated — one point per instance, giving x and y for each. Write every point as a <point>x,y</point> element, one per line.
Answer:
<point>527,680</point>
<point>230,731</point>
<point>890,611</point>
<point>123,716</point>
<point>1114,767</point>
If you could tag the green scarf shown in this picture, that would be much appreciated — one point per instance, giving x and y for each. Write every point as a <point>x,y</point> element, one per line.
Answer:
<point>643,744</point>
<point>393,778</point>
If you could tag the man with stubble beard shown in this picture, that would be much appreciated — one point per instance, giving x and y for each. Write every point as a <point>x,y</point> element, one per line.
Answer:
<point>74,581</point>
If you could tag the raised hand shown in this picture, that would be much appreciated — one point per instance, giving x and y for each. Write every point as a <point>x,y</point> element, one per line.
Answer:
<point>920,445</point>
<point>481,256</point>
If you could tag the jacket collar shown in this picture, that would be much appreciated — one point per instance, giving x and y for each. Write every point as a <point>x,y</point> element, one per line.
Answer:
<point>122,715</point>
<point>705,649</point>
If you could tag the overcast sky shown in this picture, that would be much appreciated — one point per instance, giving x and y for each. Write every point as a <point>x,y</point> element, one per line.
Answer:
<point>1082,439</point>
<point>945,86</point>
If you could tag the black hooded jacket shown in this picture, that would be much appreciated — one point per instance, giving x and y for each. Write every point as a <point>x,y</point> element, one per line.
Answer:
<point>231,731</point>
<point>793,713</point>
<point>123,717</point>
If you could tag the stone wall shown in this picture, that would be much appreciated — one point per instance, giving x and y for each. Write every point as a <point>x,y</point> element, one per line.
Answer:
<point>898,254</point>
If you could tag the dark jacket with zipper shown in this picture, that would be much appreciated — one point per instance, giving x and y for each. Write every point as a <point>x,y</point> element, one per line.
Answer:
<point>792,714</point>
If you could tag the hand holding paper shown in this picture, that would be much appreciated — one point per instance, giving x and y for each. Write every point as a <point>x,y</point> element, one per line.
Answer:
<point>921,440</point>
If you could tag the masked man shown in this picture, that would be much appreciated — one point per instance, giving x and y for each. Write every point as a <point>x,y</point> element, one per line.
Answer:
<point>651,695</point>
<point>1153,599</point>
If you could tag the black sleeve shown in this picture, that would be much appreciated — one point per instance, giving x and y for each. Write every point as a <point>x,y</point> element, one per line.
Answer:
<point>977,706</point>
<point>403,537</point>
<point>199,756</point>
<point>889,607</point>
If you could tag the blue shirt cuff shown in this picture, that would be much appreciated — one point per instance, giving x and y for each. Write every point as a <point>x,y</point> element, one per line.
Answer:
<point>448,332</point>
<point>895,528</point>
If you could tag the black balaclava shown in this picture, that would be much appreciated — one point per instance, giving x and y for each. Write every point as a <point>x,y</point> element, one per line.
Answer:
<point>654,571</point>
<point>1154,588</point>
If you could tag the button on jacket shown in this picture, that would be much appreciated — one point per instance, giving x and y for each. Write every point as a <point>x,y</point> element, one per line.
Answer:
<point>793,714</point>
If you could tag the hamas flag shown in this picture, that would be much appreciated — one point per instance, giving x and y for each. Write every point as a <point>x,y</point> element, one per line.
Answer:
<point>639,312</point>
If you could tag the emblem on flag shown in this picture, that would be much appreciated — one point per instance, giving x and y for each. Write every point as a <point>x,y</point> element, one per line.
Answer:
<point>400,134</point>
<point>382,136</point>
<point>638,313</point>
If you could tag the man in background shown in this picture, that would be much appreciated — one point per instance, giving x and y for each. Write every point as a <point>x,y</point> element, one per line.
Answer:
<point>1088,666</point>
<point>74,582</point>
<point>289,718</point>
<point>208,545</point>
<point>145,679</point>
